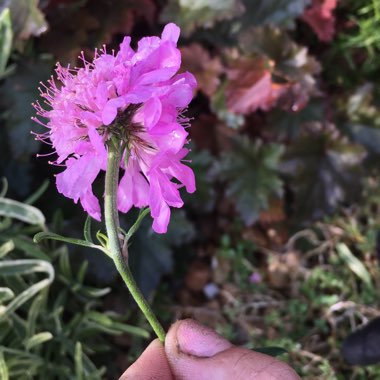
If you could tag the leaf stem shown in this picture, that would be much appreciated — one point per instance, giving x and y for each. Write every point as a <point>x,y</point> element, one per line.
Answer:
<point>115,152</point>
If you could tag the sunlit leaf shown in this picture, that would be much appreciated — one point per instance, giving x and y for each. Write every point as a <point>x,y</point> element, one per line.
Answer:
<point>38,339</point>
<point>4,374</point>
<point>6,247</point>
<point>353,263</point>
<point>6,294</point>
<point>6,35</point>
<point>190,14</point>
<point>250,86</point>
<point>27,19</point>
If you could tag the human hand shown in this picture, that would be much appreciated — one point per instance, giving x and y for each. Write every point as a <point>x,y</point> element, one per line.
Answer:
<point>194,352</point>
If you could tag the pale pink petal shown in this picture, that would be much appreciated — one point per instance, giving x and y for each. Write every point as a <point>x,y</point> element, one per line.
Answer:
<point>160,211</point>
<point>140,191</point>
<point>126,52</point>
<point>124,192</point>
<point>171,33</point>
<point>169,137</point>
<point>101,94</point>
<point>180,95</point>
<point>152,112</point>
<point>91,205</point>
<point>78,177</point>
<point>161,222</point>
<point>184,174</point>
<point>169,191</point>
<point>133,189</point>
<point>110,110</point>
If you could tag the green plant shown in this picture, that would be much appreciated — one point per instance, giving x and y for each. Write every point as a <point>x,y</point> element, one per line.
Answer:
<point>51,322</point>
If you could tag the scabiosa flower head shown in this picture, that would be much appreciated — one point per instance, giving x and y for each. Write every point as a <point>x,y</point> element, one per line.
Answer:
<point>138,97</point>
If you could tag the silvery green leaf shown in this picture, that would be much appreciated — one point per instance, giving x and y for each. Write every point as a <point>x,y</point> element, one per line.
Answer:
<point>20,211</point>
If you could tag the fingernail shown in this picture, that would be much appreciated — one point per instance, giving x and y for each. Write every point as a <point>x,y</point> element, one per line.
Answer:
<point>197,340</point>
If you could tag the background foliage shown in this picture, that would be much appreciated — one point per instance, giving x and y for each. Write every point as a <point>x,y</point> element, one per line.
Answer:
<point>278,245</point>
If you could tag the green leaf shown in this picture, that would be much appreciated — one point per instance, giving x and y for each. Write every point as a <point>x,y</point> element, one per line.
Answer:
<point>36,309</point>
<point>82,272</point>
<point>6,294</point>
<point>38,193</point>
<point>116,327</point>
<point>6,248</point>
<point>87,230</point>
<point>353,263</point>
<point>4,190</point>
<point>27,19</point>
<point>323,170</point>
<point>4,374</point>
<point>78,358</point>
<point>17,210</point>
<point>274,12</point>
<point>204,198</point>
<point>51,236</point>
<point>6,36</point>
<point>38,339</point>
<point>251,175</point>
<point>136,225</point>
<point>190,14</point>
<point>23,267</point>
<point>287,126</point>
<point>271,351</point>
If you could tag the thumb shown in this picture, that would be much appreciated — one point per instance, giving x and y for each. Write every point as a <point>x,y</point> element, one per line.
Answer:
<point>196,352</point>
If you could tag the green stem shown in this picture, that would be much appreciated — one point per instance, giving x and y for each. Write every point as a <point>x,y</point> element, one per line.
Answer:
<point>112,226</point>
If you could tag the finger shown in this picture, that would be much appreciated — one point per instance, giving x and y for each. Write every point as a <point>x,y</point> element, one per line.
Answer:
<point>195,352</point>
<point>151,365</point>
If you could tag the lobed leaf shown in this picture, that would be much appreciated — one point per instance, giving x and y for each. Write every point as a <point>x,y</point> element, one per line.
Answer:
<point>251,175</point>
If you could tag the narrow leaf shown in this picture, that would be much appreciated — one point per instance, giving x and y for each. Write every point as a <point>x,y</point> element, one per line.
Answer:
<point>117,327</point>
<point>38,193</point>
<point>6,294</point>
<point>51,236</point>
<point>87,230</point>
<point>20,211</point>
<point>271,351</point>
<point>38,339</point>
<point>12,267</point>
<point>4,374</point>
<point>78,361</point>
<point>353,263</point>
<point>4,190</point>
<point>6,248</point>
<point>6,36</point>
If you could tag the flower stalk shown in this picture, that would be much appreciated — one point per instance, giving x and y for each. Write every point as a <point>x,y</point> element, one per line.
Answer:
<point>115,153</point>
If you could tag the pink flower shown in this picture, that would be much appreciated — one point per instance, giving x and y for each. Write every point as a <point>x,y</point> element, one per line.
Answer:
<point>137,96</point>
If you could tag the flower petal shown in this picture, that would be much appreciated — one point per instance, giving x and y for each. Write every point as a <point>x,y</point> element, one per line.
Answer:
<point>171,33</point>
<point>78,177</point>
<point>91,204</point>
